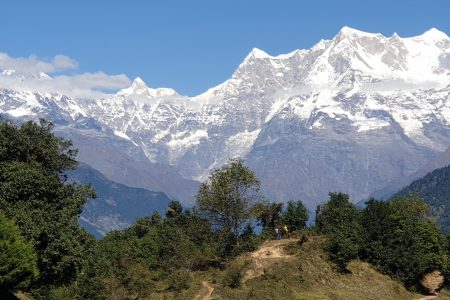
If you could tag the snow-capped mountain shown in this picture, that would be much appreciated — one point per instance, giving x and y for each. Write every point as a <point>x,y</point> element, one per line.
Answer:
<point>351,114</point>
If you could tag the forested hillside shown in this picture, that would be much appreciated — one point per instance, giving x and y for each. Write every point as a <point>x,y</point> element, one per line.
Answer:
<point>434,188</point>
<point>116,206</point>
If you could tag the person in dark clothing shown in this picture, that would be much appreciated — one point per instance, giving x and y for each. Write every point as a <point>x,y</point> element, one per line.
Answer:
<point>278,231</point>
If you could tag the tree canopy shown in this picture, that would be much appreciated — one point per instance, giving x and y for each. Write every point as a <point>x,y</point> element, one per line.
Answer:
<point>227,198</point>
<point>401,240</point>
<point>18,260</point>
<point>340,220</point>
<point>34,194</point>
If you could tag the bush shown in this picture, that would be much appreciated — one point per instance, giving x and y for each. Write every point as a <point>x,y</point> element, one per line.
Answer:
<point>233,277</point>
<point>178,280</point>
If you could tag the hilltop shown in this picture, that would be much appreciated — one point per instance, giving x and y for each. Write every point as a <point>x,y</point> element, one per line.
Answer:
<point>287,270</point>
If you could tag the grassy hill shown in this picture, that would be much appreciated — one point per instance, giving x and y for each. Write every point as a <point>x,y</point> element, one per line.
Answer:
<point>287,270</point>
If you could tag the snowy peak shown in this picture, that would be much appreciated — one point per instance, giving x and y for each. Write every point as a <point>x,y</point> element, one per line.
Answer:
<point>140,88</point>
<point>139,84</point>
<point>255,55</point>
<point>434,35</point>
<point>10,73</point>
<point>258,53</point>
<point>351,32</point>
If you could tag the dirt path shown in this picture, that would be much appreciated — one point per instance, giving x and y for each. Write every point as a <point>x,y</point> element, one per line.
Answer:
<point>269,253</point>
<point>427,298</point>
<point>206,295</point>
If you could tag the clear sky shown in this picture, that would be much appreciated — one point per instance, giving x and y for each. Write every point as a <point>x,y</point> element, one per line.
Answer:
<point>192,45</point>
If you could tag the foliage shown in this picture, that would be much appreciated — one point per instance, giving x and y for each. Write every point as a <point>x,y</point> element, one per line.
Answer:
<point>400,240</point>
<point>18,261</point>
<point>339,219</point>
<point>249,240</point>
<point>295,216</point>
<point>157,255</point>
<point>233,276</point>
<point>374,220</point>
<point>152,252</point>
<point>227,199</point>
<point>434,189</point>
<point>268,214</point>
<point>34,195</point>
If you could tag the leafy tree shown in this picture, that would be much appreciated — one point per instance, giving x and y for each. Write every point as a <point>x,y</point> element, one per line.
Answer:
<point>340,221</point>
<point>156,218</point>
<point>174,209</point>
<point>18,261</point>
<point>34,194</point>
<point>374,220</point>
<point>295,216</point>
<point>227,198</point>
<point>268,214</point>
<point>400,240</point>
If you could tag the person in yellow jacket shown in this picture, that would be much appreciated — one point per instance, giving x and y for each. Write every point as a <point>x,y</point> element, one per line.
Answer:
<point>285,229</point>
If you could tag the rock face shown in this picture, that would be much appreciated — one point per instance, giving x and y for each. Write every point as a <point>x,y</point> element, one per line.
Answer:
<point>432,281</point>
<point>351,114</point>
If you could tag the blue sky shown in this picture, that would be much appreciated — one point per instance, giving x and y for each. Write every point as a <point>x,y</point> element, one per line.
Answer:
<point>194,45</point>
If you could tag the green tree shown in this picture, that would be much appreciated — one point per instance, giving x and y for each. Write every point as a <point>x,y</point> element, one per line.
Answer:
<point>18,261</point>
<point>174,209</point>
<point>227,198</point>
<point>35,195</point>
<point>295,216</point>
<point>268,214</point>
<point>340,221</point>
<point>401,240</point>
<point>375,220</point>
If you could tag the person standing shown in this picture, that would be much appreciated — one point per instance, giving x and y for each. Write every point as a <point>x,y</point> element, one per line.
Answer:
<point>278,231</point>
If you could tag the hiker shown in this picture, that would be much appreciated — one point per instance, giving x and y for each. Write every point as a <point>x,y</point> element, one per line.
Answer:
<point>278,231</point>
<point>285,229</point>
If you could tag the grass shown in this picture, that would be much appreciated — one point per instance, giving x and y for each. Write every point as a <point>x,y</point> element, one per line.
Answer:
<point>306,275</point>
<point>311,276</point>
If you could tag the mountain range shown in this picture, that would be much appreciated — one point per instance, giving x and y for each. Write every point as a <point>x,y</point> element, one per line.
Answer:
<point>358,113</point>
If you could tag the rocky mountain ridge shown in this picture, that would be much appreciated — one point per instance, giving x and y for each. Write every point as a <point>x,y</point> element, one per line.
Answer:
<point>351,114</point>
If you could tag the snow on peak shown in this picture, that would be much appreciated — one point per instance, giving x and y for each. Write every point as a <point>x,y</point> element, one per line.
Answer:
<point>140,88</point>
<point>351,32</point>
<point>258,53</point>
<point>24,75</point>
<point>434,34</point>
<point>395,36</point>
<point>139,84</point>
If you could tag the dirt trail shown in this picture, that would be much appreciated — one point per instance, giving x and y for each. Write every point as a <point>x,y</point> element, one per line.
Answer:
<point>206,295</point>
<point>427,298</point>
<point>269,253</point>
